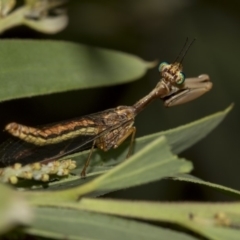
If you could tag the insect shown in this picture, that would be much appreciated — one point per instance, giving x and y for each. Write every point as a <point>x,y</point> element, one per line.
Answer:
<point>32,152</point>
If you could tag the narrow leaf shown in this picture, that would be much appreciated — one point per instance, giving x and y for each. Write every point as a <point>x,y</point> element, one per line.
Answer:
<point>193,179</point>
<point>179,139</point>
<point>153,162</point>
<point>45,67</point>
<point>145,166</point>
<point>71,224</point>
<point>211,220</point>
<point>185,136</point>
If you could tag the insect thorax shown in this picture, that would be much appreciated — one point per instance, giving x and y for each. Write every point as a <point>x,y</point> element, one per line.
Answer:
<point>118,121</point>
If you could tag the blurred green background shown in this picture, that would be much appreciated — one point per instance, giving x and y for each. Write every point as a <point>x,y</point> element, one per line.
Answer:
<point>155,29</point>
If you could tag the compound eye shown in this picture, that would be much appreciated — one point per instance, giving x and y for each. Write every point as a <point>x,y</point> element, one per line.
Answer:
<point>181,78</point>
<point>162,66</point>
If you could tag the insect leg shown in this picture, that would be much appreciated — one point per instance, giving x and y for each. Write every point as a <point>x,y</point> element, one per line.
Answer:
<point>131,143</point>
<point>130,131</point>
<point>83,172</point>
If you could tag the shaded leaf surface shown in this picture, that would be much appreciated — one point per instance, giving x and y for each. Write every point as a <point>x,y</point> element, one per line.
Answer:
<point>145,166</point>
<point>213,220</point>
<point>179,139</point>
<point>192,179</point>
<point>153,162</point>
<point>71,224</point>
<point>31,68</point>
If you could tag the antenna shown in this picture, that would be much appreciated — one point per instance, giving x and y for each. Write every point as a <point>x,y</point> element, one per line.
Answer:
<point>181,50</point>
<point>184,51</point>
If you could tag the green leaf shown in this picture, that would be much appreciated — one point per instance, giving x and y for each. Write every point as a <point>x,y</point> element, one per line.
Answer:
<point>153,162</point>
<point>193,179</point>
<point>30,68</point>
<point>183,137</point>
<point>179,139</point>
<point>212,220</point>
<point>13,209</point>
<point>71,224</point>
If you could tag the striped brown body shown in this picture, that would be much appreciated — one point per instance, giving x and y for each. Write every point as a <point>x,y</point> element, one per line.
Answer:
<point>106,127</point>
<point>91,125</point>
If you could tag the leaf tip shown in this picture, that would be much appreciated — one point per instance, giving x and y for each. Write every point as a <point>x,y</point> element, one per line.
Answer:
<point>152,64</point>
<point>229,108</point>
